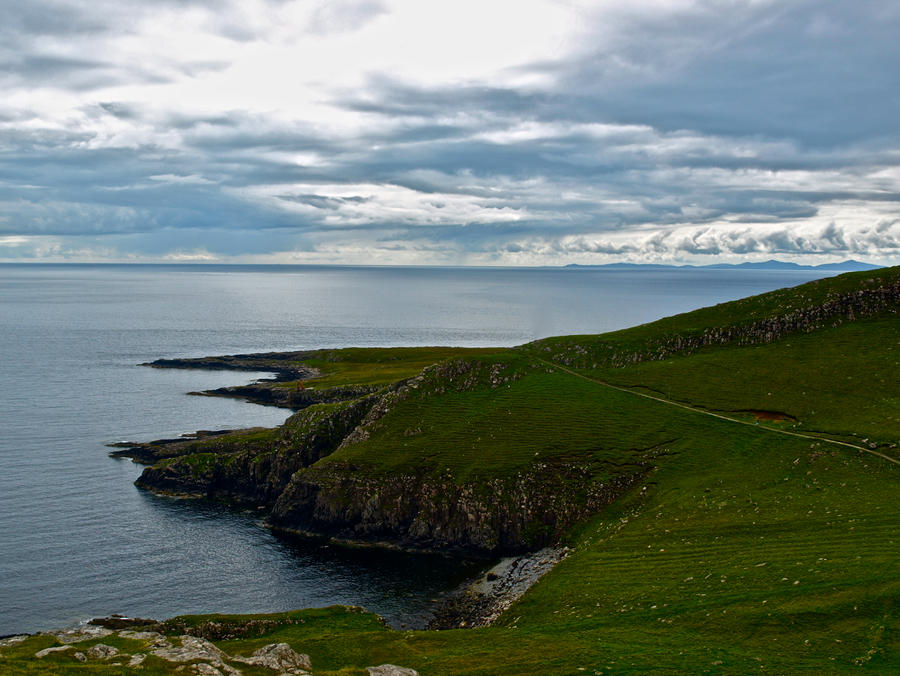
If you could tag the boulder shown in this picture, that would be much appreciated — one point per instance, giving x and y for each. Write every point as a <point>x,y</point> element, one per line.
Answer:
<point>280,657</point>
<point>55,649</point>
<point>391,670</point>
<point>101,651</point>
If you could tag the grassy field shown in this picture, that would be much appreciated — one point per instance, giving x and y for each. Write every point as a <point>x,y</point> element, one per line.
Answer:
<point>840,381</point>
<point>377,365</point>
<point>741,551</point>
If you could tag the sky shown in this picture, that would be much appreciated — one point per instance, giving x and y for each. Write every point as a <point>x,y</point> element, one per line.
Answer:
<point>489,132</point>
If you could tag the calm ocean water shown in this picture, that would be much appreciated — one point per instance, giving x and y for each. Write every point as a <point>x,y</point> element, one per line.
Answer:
<point>77,539</point>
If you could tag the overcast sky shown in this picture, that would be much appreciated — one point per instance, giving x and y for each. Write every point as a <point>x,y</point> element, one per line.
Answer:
<point>521,132</point>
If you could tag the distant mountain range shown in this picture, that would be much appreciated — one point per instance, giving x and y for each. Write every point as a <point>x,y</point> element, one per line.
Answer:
<point>843,266</point>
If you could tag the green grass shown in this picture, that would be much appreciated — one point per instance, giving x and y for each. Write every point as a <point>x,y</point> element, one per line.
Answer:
<point>841,381</point>
<point>742,551</point>
<point>495,432</point>
<point>586,350</point>
<point>694,574</point>
<point>378,365</point>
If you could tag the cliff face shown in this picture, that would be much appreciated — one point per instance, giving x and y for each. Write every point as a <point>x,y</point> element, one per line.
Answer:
<point>415,509</point>
<point>255,468</point>
<point>837,309</point>
<point>374,466</point>
<point>270,393</point>
<point>493,516</point>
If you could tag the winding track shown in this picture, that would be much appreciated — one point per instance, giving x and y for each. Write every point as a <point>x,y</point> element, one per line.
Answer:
<point>717,415</point>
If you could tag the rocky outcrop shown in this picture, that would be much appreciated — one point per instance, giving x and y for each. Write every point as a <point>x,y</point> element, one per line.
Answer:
<point>152,452</point>
<point>172,652</point>
<point>255,468</point>
<point>279,657</point>
<point>838,308</point>
<point>480,517</point>
<point>274,393</point>
<point>391,670</point>
<point>427,510</point>
<point>287,365</point>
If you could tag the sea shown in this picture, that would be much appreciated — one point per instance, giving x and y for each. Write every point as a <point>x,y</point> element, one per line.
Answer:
<point>79,540</point>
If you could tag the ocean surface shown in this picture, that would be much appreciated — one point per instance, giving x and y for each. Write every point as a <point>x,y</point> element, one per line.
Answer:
<point>78,540</point>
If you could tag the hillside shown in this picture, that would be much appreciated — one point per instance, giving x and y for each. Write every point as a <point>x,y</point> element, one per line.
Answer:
<point>691,464</point>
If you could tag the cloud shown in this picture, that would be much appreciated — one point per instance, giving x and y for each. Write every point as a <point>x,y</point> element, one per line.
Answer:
<point>344,16</point>
<point>517,132</point>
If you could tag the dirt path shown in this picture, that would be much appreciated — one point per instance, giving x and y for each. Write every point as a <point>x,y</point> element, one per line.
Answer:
<point>718,415</point>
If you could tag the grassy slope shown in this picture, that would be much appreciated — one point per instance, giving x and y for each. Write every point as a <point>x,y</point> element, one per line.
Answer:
<point>377,365</point>
<point>735,313</point>
<point>744,551</point>
<point>841,381</point>
<point>491,432</point>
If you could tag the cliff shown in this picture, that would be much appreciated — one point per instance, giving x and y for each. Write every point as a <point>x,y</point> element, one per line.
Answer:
<point>784,313</point>
<point>253,466</point>
<point>494,452</point>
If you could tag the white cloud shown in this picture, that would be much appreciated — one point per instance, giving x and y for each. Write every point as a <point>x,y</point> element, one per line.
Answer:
<point>504,131</point>
<point>197,256</point>
<point>346,204</point>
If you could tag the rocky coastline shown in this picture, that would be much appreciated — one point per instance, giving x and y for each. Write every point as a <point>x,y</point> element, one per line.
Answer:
<point>177,646</point>
<point>276,471</point>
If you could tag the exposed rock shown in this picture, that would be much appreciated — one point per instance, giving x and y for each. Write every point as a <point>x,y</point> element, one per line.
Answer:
<point>254,466</point>
<point>12,640</point>
<point>479,603</point>
<point>141,635</point>
<point>136,659</point>
<point>82,633</point>
<point>192,648</point>
<point>100,651</point>
<point>391,670</point>
<point>487,517</point>
<point>205,669</point>
<point>835,309</point>
<point>268,393</point>
<point>280,657</point>
<point>277,470</point>
<point>121,622</point>
<point>80,656</point>
<point>285,364</point>
<point>55,649</point>
<point>219,630</point>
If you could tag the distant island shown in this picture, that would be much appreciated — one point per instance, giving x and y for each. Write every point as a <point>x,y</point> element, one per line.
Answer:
<point>715,491</point>
<point>843,266</point>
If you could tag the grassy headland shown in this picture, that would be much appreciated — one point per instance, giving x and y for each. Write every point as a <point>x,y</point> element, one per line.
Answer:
<point>701,543</point>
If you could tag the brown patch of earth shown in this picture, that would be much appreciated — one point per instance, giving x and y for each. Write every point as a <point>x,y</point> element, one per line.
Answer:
<point>770,416</point>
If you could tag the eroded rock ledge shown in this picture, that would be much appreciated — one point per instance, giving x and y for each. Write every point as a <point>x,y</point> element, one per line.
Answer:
<point>417,509</point>
<point>485,518</point>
